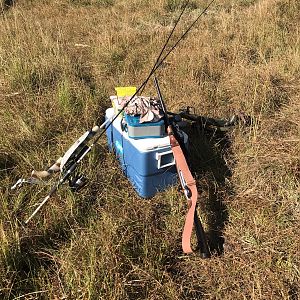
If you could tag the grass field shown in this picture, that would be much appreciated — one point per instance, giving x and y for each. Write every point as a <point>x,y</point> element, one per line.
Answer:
<point>59,62</point>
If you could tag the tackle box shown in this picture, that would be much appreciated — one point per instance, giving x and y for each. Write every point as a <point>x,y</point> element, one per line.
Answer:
<point>148,163</point>
<point>137,130</point>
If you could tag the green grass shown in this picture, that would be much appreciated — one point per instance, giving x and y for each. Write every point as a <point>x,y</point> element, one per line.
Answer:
<point>59,63</point>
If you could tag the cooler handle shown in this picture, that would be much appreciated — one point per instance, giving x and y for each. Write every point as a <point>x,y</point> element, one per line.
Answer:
<point>159,156</point>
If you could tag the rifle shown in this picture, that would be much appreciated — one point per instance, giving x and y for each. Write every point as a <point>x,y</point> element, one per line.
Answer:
<point>188,184</point>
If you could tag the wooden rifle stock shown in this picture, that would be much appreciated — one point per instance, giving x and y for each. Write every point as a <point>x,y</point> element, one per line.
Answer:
<point>188,184</point>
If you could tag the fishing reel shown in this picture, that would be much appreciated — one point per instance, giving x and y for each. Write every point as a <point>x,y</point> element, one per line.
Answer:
<point>77,182</point>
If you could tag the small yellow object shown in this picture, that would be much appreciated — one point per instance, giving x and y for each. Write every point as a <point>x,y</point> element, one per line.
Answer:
<point>125,90</point>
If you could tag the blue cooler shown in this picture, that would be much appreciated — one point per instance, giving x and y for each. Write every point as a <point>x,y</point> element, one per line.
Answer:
<point>148,163</point>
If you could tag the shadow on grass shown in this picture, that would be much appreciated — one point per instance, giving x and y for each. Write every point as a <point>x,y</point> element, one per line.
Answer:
<point>207,150</point>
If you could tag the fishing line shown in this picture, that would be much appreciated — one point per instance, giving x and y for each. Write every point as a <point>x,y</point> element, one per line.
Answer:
<point>184,34</point>
<point>166,43</point>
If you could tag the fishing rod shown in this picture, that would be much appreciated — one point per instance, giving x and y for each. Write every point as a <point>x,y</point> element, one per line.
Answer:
<point>160,60</point>
<point>73,157</point>
<point>67,165</point>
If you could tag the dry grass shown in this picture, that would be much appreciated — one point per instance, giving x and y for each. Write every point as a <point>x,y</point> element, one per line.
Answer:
<point>59,62</point>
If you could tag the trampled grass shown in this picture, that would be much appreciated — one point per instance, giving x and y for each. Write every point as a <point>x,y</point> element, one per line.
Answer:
<point>59,62</point>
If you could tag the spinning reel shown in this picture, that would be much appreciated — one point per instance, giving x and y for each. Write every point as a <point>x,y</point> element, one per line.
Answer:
<point>77,182</point>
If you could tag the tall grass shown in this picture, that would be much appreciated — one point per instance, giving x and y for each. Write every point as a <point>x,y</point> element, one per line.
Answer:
<point>60,61</point>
